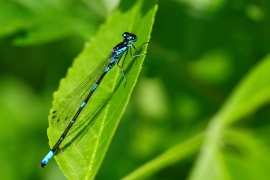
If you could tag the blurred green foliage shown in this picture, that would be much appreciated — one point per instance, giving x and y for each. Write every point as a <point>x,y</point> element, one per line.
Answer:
<point>199,110</point>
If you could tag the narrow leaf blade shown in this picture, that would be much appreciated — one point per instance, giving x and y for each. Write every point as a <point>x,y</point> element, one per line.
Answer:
<point>86,145</point>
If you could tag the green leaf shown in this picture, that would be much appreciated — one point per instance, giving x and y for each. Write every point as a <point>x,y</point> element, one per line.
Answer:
<point>171,156</point>
<point>253,153</point>
<point>45,21</point>
<point>47,28</point>
<point>252,93</point>
<point>12,19</point>
<point>85,146</point>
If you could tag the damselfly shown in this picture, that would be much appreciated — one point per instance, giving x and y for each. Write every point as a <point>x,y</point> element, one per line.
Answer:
<point>90,84</point>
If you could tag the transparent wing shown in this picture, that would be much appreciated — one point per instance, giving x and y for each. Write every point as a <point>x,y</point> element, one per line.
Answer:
<point>64,112</point>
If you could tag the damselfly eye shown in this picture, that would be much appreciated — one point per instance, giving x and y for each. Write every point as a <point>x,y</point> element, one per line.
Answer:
<point>129,36</point>
<point>134,38</point>
<point>125,34</point>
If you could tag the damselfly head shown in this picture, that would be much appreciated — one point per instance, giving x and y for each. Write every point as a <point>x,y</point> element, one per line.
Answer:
<point>130,36</point>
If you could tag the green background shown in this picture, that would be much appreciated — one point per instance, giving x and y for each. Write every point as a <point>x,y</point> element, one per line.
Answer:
<point>199,53</point>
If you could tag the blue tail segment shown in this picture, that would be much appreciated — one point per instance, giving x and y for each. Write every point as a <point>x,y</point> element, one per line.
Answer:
<point>123,48</point>
<point>46,159</point>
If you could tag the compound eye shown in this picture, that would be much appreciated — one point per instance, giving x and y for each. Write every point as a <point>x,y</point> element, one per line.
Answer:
<point>125,34</point>
<point>134,38</point>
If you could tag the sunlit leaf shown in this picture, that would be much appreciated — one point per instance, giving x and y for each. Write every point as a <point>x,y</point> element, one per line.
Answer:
<point>84,149</point>
<point>252,93</point>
